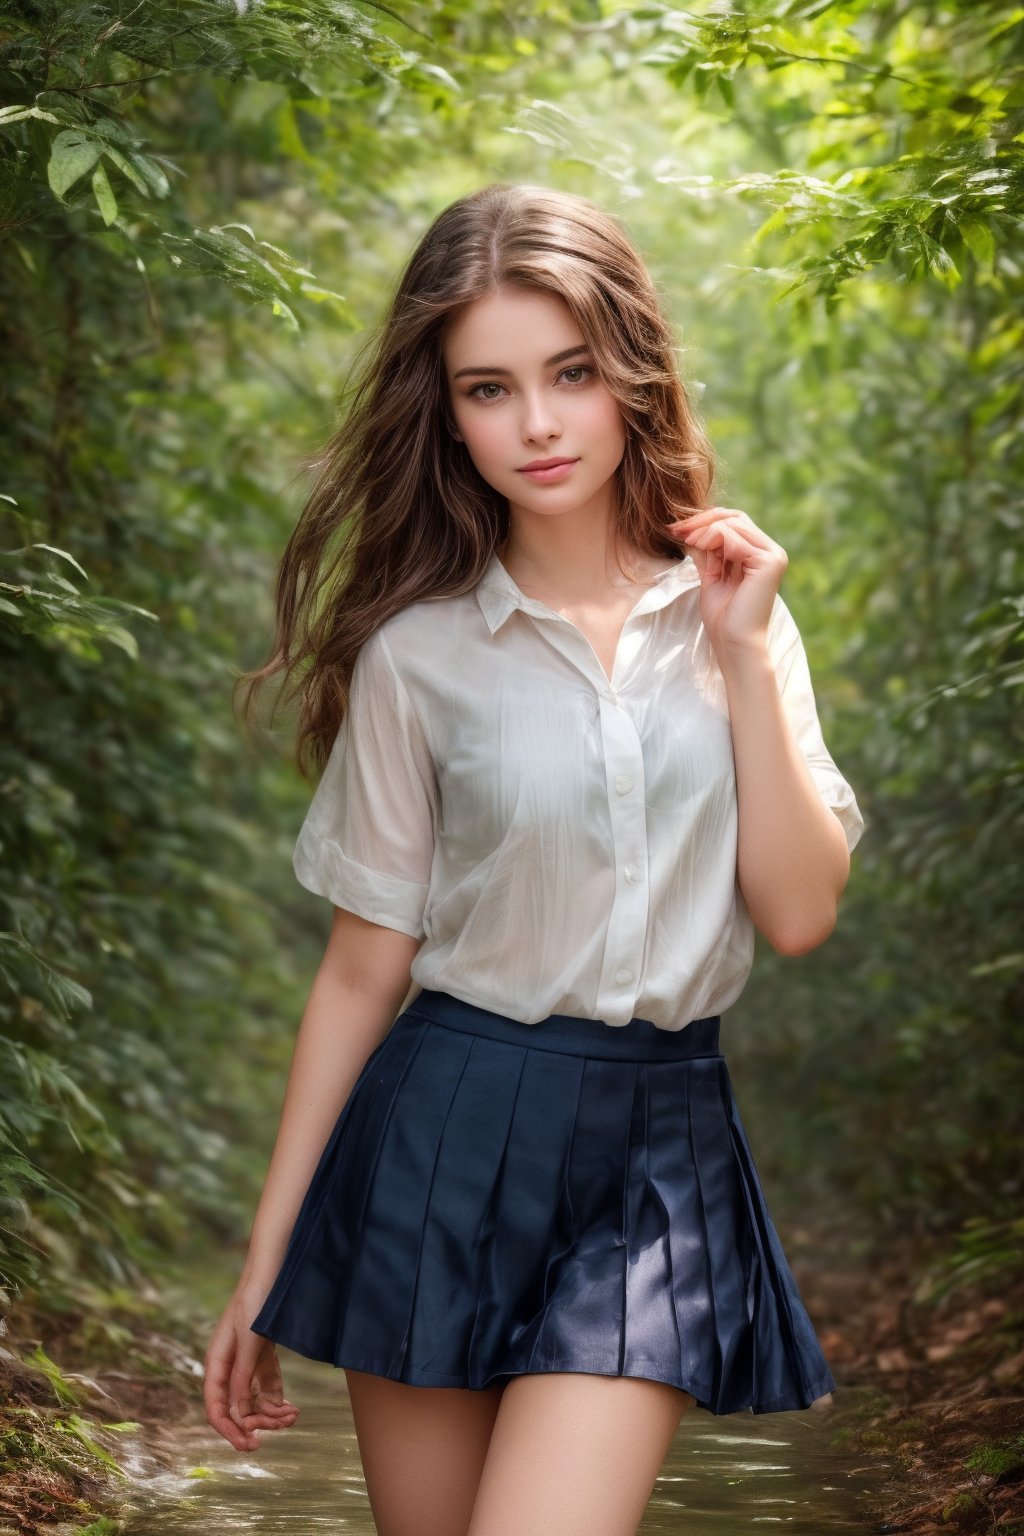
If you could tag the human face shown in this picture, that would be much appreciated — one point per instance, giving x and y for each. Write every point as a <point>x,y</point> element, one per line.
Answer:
<point>516,399</point>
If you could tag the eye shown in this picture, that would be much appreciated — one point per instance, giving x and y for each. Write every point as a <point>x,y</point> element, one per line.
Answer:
<point>492,384</point>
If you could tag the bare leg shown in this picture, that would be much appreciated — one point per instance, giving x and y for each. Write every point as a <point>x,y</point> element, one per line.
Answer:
<point>575,1455</point>
<point>422,1450</point>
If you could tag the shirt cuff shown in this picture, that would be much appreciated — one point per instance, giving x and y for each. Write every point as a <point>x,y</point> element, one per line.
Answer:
<point>841,803</point>
<point>321,867</point>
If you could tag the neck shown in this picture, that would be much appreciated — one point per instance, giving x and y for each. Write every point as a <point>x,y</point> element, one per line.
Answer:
<point>572,553</point>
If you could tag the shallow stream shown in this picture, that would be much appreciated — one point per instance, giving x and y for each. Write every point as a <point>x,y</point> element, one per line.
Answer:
<point>722,1477</point>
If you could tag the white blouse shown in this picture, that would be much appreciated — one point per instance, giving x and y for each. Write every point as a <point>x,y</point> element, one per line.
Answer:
<point>560,843</point>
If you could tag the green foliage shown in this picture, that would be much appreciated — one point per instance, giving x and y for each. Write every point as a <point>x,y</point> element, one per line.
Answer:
<point>82,1430</point>
<point>64,1390</point>
<point>157,171</point>
<point>172,180</point>
<point>963,1505</point>
<point>917,108</point>
<point>984,1252</point>
<point>879,437</point>
<point>1004,1458</point>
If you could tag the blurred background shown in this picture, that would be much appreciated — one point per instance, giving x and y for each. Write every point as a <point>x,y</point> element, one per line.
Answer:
<point>204,207</point>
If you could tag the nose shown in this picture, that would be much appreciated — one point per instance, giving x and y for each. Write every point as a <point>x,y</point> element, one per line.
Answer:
<point>539,421</point>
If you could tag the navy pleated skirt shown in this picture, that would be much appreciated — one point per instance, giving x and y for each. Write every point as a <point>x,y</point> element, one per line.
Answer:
<point>498,1197</point>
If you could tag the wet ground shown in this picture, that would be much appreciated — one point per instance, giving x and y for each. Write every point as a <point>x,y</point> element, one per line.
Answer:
<point>723,1476</point>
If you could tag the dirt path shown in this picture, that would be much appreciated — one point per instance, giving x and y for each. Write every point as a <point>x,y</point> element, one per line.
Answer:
<point>948,1379</point>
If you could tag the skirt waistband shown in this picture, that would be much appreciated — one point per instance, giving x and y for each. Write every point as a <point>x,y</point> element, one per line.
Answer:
<point>639,1040</point>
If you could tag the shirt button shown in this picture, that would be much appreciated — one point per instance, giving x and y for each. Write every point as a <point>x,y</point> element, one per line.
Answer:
<point>610,695</point>
<point>631,873</point>
<point>624,974</point>
<point>623,783</point>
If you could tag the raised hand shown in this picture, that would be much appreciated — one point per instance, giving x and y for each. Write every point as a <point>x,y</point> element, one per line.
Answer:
<point>740,571</point>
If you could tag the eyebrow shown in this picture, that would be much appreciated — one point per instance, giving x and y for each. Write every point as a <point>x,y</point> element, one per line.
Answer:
<point>559,357</point>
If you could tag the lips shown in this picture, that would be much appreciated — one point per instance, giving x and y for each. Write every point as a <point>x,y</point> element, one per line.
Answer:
<point>545,464</point>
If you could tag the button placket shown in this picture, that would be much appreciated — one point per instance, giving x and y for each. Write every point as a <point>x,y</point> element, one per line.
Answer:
<point>627,922</point>
<point>623,761</point>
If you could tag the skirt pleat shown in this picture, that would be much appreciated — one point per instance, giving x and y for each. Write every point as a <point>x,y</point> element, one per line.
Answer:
<point>498,1198</point>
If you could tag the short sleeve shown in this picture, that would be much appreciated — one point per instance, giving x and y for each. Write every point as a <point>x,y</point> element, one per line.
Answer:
<point>789,657</point>
<point>367,842</point>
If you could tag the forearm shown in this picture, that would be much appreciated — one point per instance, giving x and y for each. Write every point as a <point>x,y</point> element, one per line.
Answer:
<point>341,1024</point>
<point>793,860</point>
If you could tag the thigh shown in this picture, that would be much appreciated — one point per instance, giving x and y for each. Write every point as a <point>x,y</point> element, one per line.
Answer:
<point>574,1454</point>
<point>422,1450</point>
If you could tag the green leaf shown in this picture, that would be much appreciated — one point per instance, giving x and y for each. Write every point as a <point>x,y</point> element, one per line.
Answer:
<point>51,549</point>
<point>123,639</point>
<point>978,238</point>
<point>72,155</point>
<point>126,168</point>
<point>773,222</point>
<point>17,114</point>
<point>105,199</point>
<point>154,174</point>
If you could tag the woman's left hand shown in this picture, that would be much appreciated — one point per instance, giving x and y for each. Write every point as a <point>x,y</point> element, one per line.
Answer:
<point>740,571</point>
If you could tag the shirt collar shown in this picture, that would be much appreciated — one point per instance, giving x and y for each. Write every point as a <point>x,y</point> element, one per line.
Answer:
<point>498,595</point>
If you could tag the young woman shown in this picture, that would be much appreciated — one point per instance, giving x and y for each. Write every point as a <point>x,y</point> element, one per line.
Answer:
<point>571,761</point>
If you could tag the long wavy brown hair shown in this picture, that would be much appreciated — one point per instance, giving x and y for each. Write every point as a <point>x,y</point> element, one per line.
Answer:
<point>398,511</point>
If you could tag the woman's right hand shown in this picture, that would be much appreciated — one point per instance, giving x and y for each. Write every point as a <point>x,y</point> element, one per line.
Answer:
<point>242,1389</point>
